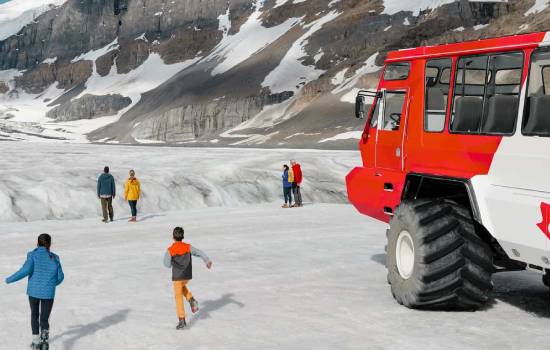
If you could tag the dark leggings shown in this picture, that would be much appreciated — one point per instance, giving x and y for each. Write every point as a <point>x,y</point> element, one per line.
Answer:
<point>40,314</point>
<point>133,207</point>
<point>287,191</point>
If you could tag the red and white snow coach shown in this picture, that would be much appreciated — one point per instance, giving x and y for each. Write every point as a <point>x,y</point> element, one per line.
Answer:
<point>456,157</point>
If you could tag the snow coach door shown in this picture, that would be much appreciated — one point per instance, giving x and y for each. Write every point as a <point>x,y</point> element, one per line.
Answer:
<point>391,127</point>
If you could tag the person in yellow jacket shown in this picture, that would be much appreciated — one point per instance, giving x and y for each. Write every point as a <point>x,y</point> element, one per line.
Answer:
<point>132,192</point>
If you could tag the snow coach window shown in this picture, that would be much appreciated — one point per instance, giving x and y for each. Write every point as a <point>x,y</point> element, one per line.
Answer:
<point>508,77</point>
<point>469,90</point>
<point>397,71</point>
<point>486,96</point>
<point>436,94</point>
<point>501,101</point>
<point>445,77</point>
<point>432,72</point>
<point>536,120</point>
<point>375,114</point>
<point>392,110</point>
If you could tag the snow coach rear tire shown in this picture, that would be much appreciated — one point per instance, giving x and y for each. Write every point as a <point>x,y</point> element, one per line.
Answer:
<point>451,268</point>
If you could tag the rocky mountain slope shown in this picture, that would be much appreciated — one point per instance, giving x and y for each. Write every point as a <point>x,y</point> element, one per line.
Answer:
<point>268,73</point>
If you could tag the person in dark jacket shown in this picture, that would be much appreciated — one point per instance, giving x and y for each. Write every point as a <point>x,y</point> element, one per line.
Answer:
<point>287,186</point>
<point>43,268</point>
<point>297,170</point>
<point>106,192</point>
<point>178,257</point>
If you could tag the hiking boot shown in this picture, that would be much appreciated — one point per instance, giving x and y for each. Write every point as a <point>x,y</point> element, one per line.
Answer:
<point>133,219</point>
<point>44,337</point>
<point>35,345</point>
<point>181,324</point>
<point>105,220</point>
<point>285,205</point>
<point>194,305</point>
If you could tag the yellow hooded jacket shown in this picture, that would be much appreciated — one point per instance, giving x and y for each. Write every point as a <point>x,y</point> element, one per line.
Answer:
<point>290,176</point>
<point>132,190</point>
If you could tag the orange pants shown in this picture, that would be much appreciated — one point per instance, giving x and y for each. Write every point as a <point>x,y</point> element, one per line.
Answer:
<point>181,291</point>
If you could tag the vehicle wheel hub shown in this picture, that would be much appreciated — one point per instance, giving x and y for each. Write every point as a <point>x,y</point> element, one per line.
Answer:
<point>404,253</point>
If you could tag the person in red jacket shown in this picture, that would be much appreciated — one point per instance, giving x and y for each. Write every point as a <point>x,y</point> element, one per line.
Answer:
<point>297,170</point>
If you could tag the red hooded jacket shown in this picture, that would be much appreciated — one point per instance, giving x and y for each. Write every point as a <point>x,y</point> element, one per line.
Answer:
<point>297,170</point>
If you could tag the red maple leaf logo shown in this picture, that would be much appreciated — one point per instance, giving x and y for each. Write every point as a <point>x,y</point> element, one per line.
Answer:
<point>545,210</point>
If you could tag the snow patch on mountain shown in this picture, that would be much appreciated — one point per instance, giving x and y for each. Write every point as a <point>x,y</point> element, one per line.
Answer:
<point>540,5</point>
<point>283,2</point>
<point>391,7</point>
<point>344,136</point>
<point>252,37</point>
<point>368,67</point>
<point>291,74</point>
<point>50,60</point>
<point>93,55</point>
<point>339,77</point>
<point>350,96</point>
<point>224,23</point>
<point>22,107</point>
<point>269,116</point>
<point>133,84</point>
<point>480,26</point>
<point>16,14</point>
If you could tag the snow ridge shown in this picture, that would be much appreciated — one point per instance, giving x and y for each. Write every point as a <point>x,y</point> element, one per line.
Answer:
<point>172,178</point>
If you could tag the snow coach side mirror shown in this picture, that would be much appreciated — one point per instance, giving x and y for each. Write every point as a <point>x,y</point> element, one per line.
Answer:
<point>359,107</point>
<point>360,101</point>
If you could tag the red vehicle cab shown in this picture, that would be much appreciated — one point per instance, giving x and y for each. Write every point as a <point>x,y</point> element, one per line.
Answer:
<point>459,131</point>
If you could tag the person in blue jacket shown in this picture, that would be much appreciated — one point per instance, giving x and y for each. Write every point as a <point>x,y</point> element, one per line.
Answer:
<point>43,268</point>
<point>106,192</point>
<point>287,186</point>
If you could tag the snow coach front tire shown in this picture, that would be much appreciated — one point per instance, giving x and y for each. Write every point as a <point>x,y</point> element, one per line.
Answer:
<point>451,266</point>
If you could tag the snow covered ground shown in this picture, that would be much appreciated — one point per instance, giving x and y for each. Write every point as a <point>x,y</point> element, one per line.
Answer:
<point>308,278</point>
<point>58,181</point>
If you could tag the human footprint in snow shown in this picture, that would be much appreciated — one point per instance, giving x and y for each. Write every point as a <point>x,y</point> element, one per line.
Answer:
<point>178,257</point>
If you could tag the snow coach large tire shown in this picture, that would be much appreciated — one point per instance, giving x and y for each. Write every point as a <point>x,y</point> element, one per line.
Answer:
<point>435,260</point>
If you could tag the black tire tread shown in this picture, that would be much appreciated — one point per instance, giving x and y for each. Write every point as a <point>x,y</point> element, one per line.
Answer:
<point>455,265</point>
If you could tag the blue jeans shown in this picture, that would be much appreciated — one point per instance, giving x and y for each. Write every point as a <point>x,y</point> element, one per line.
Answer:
<point>287,192</point>
<point>133,207</point>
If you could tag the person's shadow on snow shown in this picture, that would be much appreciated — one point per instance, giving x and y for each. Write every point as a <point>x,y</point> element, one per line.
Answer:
<point>206,307</point>
<point>77,332</point>
<point>149,217</point>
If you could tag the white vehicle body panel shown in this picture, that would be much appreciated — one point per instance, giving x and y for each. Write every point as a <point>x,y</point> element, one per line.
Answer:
<point>514,198</point>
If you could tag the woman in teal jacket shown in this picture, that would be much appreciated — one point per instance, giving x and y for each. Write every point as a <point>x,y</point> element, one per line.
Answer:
<point>45,273</point>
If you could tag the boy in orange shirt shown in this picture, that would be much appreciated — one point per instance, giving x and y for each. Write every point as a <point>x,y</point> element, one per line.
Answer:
<point>178,257</point>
